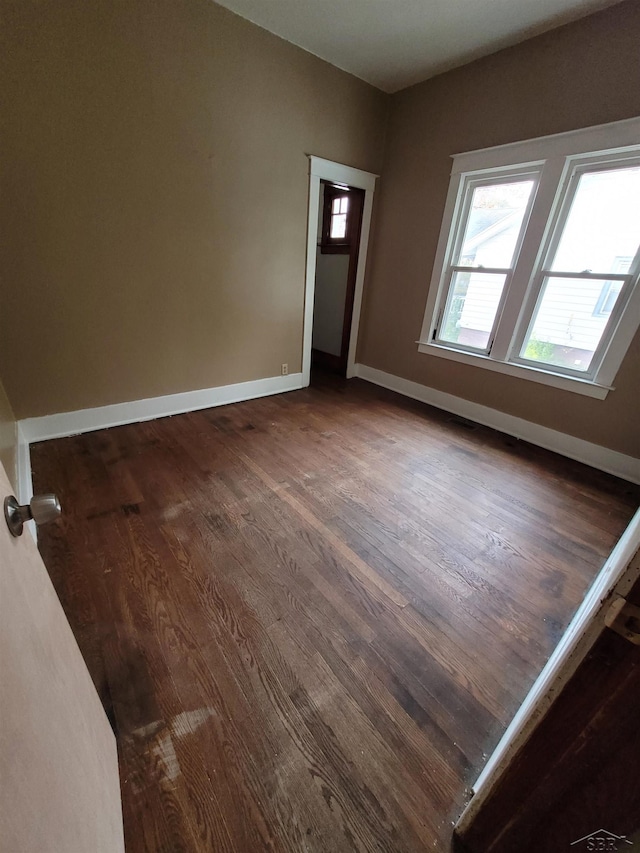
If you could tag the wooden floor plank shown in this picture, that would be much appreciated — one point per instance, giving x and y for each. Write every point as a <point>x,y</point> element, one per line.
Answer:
<point>310,617</point>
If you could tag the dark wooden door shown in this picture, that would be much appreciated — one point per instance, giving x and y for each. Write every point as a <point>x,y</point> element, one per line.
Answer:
<point>575,785</point>
<point>348,245</point>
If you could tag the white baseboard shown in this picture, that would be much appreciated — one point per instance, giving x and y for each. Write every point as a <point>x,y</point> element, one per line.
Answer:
<point>87,420</point>
<point>626,467</point>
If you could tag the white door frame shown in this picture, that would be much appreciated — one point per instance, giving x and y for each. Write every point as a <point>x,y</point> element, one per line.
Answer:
<point>327,170</point>
<point>616,577</point>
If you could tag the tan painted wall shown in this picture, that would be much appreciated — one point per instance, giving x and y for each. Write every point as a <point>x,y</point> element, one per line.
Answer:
<point>154,200</point>
<point>8,438</point>
<point>582,74</point>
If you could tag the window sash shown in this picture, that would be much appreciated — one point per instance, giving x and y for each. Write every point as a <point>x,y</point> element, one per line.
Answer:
<point>473,182</point>
<point>575,168</point>
<point>605,339</point>
<point>458,229</point>
<point>449,295</point>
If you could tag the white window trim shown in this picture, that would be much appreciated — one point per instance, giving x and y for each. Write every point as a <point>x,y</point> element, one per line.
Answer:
<point>555,380</point>
<point>468,183</point>
<point>558,155</point>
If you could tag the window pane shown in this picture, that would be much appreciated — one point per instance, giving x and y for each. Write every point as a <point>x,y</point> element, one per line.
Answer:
<point>344,204</point>
<point>603,225</point>
<point>567,325</point>
<point>335,205</point>
<point>608,298</point>
<point>471,308</point>
<point>494,223</point>
<point>338,226</point>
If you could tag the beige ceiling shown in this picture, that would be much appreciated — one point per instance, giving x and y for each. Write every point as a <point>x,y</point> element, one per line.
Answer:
<point>396,43</point>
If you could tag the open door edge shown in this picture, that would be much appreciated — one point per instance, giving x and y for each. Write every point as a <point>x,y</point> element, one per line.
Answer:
<point>620,571</point>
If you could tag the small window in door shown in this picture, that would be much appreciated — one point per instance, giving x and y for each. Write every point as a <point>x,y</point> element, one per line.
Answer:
<point>336,221</point>
<point>338,225</point>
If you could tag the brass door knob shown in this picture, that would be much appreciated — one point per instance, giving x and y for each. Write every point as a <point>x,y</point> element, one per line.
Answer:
<point>41,508</point>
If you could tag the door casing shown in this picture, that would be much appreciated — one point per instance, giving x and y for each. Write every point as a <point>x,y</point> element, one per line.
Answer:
<point>327,170</point>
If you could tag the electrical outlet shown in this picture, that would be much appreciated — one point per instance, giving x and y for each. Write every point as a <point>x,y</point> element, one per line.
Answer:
<point>285,369</point>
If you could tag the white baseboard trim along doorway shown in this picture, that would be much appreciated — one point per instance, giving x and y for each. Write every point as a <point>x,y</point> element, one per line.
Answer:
<point>610,461</point>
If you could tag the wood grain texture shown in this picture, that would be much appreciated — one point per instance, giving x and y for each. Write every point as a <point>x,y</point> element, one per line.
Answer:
<point>578,772</point>
<point>312,616</point>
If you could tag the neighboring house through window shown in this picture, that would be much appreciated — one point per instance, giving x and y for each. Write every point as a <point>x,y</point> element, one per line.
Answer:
<point>539,257</point>
<point>611,290</point>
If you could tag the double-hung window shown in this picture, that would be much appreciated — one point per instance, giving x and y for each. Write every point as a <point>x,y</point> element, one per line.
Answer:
<point>537,268</point>
<point>493,216</point>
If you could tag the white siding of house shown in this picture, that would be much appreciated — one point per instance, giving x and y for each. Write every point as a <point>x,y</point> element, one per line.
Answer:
<point>483,296</point>
<point>567,316</point>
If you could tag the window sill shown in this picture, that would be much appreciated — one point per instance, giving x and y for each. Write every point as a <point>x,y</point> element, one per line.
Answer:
<point>544,377</point>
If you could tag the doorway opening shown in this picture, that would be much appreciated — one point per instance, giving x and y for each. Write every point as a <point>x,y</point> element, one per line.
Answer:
<point>340,204</point>
<point>340,210</point>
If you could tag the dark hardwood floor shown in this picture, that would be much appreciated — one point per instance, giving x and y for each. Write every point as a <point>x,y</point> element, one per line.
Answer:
<point>310,617</point>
